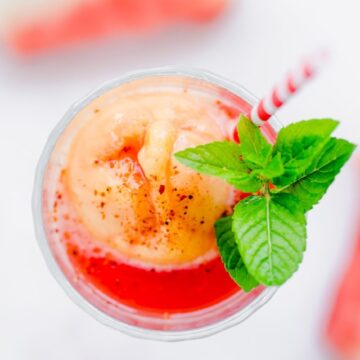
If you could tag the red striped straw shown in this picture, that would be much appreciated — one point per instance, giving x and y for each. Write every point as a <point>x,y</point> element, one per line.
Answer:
<point>281,93</point>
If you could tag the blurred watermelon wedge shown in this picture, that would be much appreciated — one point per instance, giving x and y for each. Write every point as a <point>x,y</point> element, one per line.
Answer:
<point>343,329</point>
<point>88,19</point>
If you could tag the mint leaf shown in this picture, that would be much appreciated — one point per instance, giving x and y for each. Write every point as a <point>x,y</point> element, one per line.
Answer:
<point>271,235</point>
<point>249,183</point>
<point>299,144</point>
<point>273,169</point>
<point>221,159</point>
<point>255,149</point>
<point>312,186</point>
<point>230,255</point>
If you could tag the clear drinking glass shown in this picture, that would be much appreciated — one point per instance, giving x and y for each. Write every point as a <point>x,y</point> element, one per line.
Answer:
<point>175,327</point>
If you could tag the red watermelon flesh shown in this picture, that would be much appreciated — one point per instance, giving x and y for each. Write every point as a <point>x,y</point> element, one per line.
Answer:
<point>343,330</point>
<point>94,18</point>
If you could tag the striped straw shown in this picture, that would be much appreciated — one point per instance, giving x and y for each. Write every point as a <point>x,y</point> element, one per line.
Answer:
<point>280,94</point>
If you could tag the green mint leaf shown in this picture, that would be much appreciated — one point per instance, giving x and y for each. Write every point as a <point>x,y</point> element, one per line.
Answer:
<point>271,234</point>
<point>230,255</point>
<point>255,148</point>
<point>312,186</point>
<point>273,169</point>
<point>299,144</point>
<point>249,183</point>
<point>221,159</point>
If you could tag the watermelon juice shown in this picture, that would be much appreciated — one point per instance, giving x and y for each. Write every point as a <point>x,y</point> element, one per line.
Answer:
<point>127,230</point>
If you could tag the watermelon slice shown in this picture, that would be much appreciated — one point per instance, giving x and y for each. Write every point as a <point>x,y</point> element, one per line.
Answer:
<point>343,329</point>
<point>87,19</point>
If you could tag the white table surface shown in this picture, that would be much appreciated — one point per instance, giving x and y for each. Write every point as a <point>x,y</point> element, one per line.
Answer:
<point>253,44</point>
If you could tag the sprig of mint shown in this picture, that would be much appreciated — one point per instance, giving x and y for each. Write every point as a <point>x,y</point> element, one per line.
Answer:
<point>263,241</point>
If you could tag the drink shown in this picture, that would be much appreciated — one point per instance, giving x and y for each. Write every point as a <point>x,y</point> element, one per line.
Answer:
<point>129,227</point>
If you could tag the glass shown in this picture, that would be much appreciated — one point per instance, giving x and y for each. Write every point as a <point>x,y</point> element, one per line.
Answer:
<point>175,327</point>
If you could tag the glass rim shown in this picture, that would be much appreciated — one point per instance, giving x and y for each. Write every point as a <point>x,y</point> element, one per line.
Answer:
<point>52,264</point>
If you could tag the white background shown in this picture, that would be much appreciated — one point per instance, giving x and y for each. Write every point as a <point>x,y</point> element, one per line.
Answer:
<point>254,44</point>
